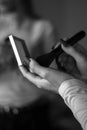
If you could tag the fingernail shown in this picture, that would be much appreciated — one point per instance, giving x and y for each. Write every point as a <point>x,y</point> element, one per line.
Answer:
<point>64,43</point>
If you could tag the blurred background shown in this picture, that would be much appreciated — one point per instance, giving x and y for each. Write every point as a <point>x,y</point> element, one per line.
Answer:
<point>68,16</point>
<point>45,110</point>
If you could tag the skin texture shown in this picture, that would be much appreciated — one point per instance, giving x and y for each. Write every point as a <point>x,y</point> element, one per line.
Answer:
<point>51,79</point>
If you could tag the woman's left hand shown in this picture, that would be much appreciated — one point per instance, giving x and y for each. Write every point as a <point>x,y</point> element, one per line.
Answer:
<point>42,77</point>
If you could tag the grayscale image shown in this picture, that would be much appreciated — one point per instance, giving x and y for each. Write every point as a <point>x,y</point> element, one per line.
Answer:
<point>43,65</point>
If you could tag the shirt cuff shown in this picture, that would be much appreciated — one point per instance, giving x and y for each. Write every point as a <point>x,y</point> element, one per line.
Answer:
<point>68,83</point>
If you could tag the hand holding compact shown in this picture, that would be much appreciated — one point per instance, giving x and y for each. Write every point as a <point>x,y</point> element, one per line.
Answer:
<point>43,77</point>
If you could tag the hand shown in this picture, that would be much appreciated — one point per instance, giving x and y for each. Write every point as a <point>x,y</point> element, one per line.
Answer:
<point>42,77</point>
<point>74,61</point>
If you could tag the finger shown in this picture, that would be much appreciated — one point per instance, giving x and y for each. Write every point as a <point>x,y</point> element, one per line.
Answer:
<point>51,75</point>
<point>77,55</point>
<point>37,69</point>
<point>80,49</point>
<point>44,73</point>
<point>38,81</point>
<point>45,76</point>
<point>27,74</point>
<point>30,76</point>
<point>23,70</point>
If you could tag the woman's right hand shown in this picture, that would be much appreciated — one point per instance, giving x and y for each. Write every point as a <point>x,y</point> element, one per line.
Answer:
<point>75,61</point>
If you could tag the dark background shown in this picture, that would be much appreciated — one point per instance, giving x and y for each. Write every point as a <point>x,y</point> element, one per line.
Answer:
<point>68,16</point>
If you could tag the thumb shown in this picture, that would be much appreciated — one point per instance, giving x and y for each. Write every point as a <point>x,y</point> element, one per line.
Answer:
<point>37,69</point>
<point>73,52</point>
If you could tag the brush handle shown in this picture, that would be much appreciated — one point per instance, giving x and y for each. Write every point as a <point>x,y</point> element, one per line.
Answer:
<point>46,59</point>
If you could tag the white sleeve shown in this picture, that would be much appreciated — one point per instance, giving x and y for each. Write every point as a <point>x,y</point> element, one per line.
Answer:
<point>74,93</point>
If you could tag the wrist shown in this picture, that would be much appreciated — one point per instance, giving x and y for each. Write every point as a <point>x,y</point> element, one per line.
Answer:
<point>65,78</point>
